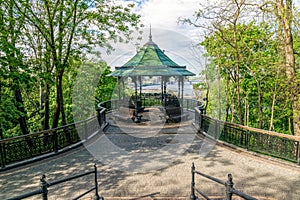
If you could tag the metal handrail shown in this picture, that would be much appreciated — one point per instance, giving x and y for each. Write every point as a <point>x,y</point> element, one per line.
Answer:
<point>44,187</point>
<point>20,148</point>
<point>286,147</point>
<point>230,190</point>
<point>46,131</point>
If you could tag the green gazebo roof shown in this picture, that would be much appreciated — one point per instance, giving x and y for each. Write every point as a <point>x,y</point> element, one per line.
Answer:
<point>151,61</point>
<point>150,55</point>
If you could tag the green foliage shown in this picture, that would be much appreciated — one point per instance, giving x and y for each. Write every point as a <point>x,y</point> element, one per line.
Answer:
<point>262,81</point>
<point>106,86</point>
<point>42,45</point>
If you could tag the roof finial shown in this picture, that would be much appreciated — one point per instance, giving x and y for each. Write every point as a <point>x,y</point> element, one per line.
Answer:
<point>150,35</point>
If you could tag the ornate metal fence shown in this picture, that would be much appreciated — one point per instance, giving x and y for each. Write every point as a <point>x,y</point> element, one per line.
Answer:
<point>230,190</point>
<point>270,143</point>
<point>43,190</point>
<point>28,146</point>
<point>188,104</point>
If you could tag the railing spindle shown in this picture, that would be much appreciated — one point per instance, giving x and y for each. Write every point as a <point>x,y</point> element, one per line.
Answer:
<point>267,142</point>
<point>193,196</point>
<point>2,153</point>
<point>298,152</point>
<point>44,186</point>
<point>229,187</point>
<point>97,197</point>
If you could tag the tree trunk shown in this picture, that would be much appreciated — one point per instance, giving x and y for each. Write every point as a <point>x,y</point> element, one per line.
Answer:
<point>46,125</point>
<point>219,91</point>
<point>237,76</point>
<point>284,15</point>
<point>227,98</point>
<point>260,108</point>
<point>271,127</point>
<point>1,132</point>
<point>20,107</point>
<point>232,108</point>
<point>207,90</point>
<point>57,105</point>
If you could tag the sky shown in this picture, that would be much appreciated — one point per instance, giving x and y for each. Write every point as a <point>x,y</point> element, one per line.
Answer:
<point>174,38</point>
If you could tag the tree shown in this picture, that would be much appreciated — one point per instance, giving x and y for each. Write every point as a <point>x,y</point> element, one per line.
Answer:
<point>214,17</point>
<point>72,28</point>
<point>257,59</point>
<point>283,12</point>
<point>14,71</point>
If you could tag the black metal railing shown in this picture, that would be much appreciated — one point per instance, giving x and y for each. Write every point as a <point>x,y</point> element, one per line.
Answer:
<point>24,147</point>
<point>283,146</point>
<point>101,116</point>
<point>230,190</point>
<point>44,192</point>
<point>109,105</point>
<point>188,104</point>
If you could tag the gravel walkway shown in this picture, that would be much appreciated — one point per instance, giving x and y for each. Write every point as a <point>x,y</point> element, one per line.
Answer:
<point>151,169</point>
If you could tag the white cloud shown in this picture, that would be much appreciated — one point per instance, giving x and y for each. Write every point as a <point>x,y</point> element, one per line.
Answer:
<point>165,14</point>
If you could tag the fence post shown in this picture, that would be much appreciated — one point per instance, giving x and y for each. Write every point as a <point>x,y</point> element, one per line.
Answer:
<point>193,196</point>
<point>86,134</point>
<point>201,122</point>
<point>298,152</point>
<point>104,116</point>
<point>96,197</point>
<point>55,141</point>
<point>229,187</point>
<point>99,115</point>
<point>44,186</point>
<point>247,139</point>
<point>2,153</point>
<point>202,112</point>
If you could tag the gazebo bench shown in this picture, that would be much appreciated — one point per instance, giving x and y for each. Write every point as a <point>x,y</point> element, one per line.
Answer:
<point>174,114</point>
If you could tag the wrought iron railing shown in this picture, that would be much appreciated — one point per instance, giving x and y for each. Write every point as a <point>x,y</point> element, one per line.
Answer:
<point>188,104</point>
<point>44,192</point>
<point>230,190</point>
<point>270,143</point>
<point>109,105</point>
<point>24,147</point>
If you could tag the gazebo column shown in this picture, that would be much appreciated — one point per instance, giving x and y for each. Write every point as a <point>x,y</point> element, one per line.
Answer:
<point>178,88</point>
<point>123,89</point>
<point>182,85</point>
<point>135,99</point>
<point>136,116</point>
<point>162,91</point>
<point>140,80</point>
<point>165,90</point>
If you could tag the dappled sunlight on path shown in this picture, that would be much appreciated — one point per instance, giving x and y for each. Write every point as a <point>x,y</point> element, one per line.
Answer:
<point>161,173</point>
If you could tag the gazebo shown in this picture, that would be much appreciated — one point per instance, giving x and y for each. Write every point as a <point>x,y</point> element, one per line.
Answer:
<point>151,61</point>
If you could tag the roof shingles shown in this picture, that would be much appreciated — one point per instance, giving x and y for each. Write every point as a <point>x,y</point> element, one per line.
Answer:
<point>151,61</point>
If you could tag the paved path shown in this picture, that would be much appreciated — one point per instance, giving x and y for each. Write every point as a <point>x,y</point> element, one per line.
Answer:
<point>150,168</point>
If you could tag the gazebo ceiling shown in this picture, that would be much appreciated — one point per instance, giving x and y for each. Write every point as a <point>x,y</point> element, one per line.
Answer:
<point>151,61</point>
